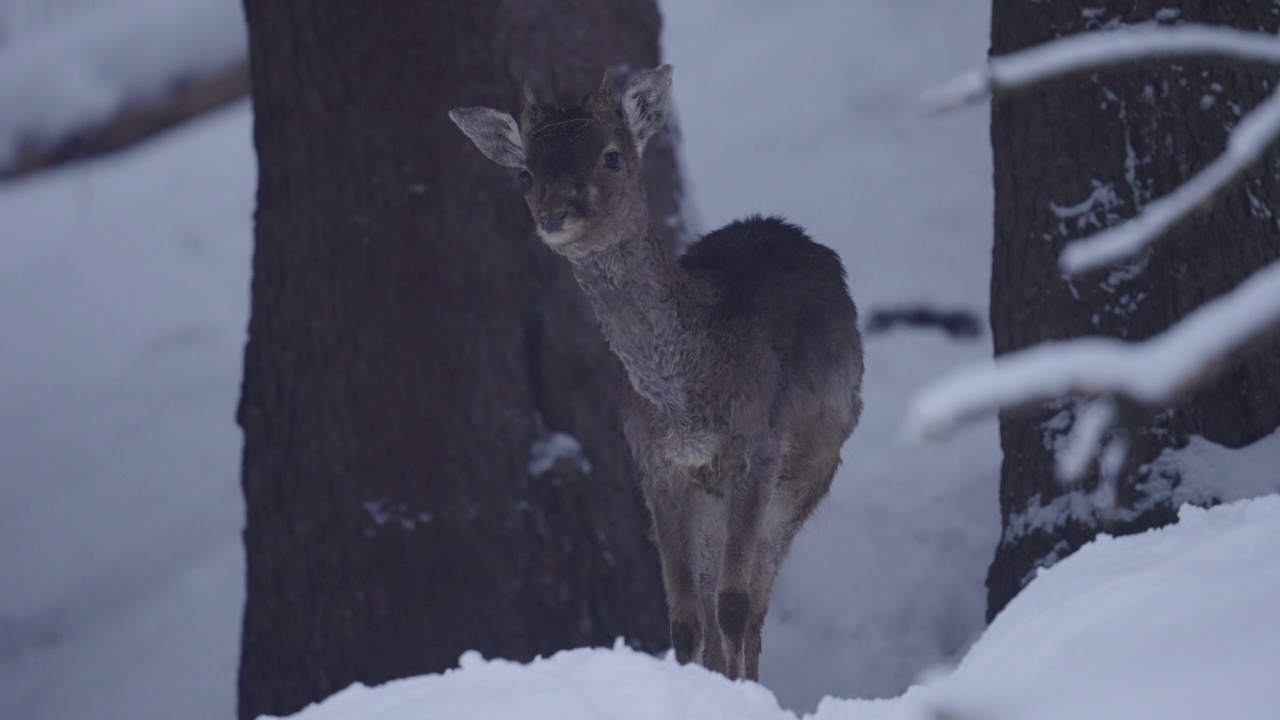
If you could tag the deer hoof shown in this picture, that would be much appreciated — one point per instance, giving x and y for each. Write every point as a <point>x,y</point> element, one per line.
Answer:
<point>686,636</point>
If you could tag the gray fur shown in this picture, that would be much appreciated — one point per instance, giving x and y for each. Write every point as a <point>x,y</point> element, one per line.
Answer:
<point>744,355</point>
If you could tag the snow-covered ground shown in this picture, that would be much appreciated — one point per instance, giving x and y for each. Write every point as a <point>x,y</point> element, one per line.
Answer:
<point>1175,624</point>
<point>123,300</point>
<point>123,303</point>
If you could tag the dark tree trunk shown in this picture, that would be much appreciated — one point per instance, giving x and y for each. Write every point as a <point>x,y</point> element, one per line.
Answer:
<point>412,345</point>
<point>1082,153</point>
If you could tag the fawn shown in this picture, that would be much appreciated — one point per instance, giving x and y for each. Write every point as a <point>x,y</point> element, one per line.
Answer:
<point>743,352</point>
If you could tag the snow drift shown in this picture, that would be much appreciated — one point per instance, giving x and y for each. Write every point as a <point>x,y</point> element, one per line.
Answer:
<point>1174,623</point>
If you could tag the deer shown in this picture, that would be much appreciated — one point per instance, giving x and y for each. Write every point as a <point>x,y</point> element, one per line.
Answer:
<point>743,354</point>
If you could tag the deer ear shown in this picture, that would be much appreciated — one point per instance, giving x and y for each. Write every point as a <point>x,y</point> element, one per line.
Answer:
<point>644,104</point>
<point>532,112</point>
<point>494,132</point>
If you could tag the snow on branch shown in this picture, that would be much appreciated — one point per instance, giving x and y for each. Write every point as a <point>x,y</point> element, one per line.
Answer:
<point>1246,144</point>
<point>83,72</point>
<point>1091,425</point>
<point>1149,373</point>
<point>1091,50</point>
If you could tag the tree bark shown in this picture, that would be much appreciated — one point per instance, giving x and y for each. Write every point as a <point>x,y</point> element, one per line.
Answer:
<point>1080,154</point>
<point>414,349</point>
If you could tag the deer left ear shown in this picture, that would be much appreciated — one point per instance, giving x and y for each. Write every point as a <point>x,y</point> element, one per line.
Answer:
<point>493,131</point>
<point>644,104</point>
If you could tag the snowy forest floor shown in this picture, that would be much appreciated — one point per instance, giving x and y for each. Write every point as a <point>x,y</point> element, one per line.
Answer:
<point>1177,623</point>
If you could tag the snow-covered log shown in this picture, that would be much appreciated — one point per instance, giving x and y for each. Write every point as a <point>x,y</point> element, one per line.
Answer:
<point>132,63</point>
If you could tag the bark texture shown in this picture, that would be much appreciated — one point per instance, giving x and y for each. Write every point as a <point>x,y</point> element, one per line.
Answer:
<point>1082,153</point>
<point>413,346</point>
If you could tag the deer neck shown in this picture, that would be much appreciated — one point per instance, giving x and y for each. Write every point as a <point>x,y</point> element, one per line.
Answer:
<point>649,309</point>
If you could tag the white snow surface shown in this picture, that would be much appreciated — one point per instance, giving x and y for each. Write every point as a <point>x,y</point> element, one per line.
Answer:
<point>124,301</point>
<point>1177,623</point>
<point>81,71</point>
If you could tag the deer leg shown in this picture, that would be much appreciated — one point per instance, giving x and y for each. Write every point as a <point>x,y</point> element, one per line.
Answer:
<point>713,651</point>
<point>754,644</point>
<point>748,496</point>
<point>773,549</point>
<point>803,483</point>
<point>710,543</point>
<point>673,531</point>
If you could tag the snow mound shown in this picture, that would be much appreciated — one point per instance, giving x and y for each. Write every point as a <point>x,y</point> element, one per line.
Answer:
<point>81,72</point>
<point>584,684</point>
<point>1174,623</point>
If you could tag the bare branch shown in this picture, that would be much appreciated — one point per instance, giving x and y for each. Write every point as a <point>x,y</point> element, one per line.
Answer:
<point>1091,50</point>
<point>1246,144</point>
<point>1149,373</point>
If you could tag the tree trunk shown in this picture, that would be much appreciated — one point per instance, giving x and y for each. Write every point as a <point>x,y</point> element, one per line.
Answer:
<point>1080,154</point>
<point>418,361</point>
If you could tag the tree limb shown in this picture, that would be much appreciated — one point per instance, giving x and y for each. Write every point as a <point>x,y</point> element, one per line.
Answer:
<point>1245,146</point>
<point>1151,373</point>
<point>1093,50</point>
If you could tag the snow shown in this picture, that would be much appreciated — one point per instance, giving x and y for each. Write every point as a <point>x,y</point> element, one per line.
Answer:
<point>123,304</point>
<point>1177,623</point>
<point>1089,50</point>
<point>1245,145</point>
<point>81,71</point>
<point>1152,372</point>
<point>1211,473</point>
<point>1092,423</point>
<point>553,448</point>
<point>1206,473</point>
<point>1174,623</point>
<point>1156,371</point>
<point>586,684</point>
<point>123,301</point>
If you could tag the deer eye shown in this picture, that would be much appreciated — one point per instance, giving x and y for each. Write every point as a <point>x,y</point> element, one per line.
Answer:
<point>526,179</point>
<point>613,160</point>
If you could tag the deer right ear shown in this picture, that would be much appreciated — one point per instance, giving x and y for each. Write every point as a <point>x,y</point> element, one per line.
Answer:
<point>644,104</point>
<point>495,133</point>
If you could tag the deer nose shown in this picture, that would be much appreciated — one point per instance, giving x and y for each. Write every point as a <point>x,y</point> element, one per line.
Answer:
<point>553,220</point>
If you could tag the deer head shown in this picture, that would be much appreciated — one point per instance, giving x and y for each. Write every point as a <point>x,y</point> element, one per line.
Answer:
<point>579,165</point>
